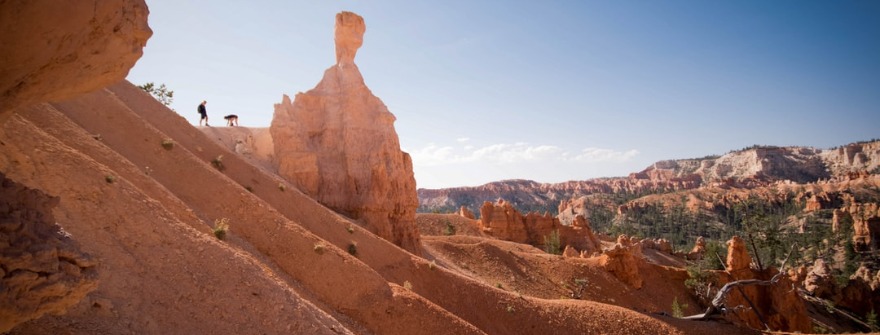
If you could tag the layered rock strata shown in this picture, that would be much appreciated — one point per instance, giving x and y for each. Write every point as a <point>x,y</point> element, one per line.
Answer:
<point>43,270</point>
<point>337,143</point>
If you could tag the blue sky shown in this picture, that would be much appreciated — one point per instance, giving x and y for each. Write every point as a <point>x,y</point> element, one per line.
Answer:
<point>549,91</point>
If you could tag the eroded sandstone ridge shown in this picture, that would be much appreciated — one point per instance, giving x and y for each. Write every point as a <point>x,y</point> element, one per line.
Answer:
<point>501,220</point>
<point>54,50</point>
<point>42,270</point>
<point>337,143</point>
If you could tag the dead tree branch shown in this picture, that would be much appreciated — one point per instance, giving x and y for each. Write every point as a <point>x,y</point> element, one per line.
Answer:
<point>718,303</point>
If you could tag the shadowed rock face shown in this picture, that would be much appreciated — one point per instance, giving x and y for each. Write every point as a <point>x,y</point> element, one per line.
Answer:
<point>54,50</point>
<point>337,143</point>
<point>43,271</point>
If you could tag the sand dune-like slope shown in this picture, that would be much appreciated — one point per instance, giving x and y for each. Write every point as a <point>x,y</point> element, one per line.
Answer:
<point>145,211</point>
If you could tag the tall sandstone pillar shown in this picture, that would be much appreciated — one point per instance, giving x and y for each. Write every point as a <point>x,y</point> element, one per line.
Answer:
<point>337,143</point>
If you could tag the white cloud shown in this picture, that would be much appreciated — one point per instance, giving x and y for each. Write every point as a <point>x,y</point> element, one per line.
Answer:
<point>503,153</point>
<point>432,155</point>
<point>605,155</point>
<point>513,153</point>
<point>462,139</point>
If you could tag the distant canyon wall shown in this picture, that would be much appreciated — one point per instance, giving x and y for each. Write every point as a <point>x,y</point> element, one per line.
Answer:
<point>749,168</point>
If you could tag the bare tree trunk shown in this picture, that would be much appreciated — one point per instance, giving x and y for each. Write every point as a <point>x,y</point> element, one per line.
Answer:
<point>718,307</point>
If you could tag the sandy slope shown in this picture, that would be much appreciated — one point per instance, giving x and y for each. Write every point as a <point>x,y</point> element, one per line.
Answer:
<point>529,271</point>
<point>156,271</point>
<point>163,272</point>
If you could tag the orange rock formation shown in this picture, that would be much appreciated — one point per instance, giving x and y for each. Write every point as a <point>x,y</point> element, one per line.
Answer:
<point>777,306</point>
<point>51,51</point>
<point>465,212</point>
<point>699,249</point>
<point>505,222</point>
<point>337,143</point>
<point>83,46</point>
<point>737,255</point>
<point>623,261</point>
<point>43,270</point>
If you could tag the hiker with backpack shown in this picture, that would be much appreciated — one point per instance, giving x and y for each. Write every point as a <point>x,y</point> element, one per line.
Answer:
<point>204,113</point>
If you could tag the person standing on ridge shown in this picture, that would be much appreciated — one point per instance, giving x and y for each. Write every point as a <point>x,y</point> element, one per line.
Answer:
<point>204,113</point>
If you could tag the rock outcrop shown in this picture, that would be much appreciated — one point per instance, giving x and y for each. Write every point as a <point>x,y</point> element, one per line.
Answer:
<point>52,51</point>
<point>348,36</point>
<point>660,244</point>
<point>55,50</point>
<point>43,271</point>
<point>862,210</point>
<point>862,292</point>
<point>699,249</point>
<point>818,280</point>
<point>738,258</point>
<point>465,212</point>
<point>866,225</point>
<point>254,144</point>
<point>777,306</point>
<point>622,261</point>
<point>501,220</point>
<point>337,143</point>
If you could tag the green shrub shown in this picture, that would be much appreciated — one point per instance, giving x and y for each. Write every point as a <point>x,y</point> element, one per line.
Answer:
<point>576,290</point>
<point>353,249</point>
<point>552,245</point>
<point>407,285</point>
<point>350,229</point>
<point>282,187</point>
<point>450,229</point>
<point>217,162</point>
<point>678,309</point>
<point>319,248</point>
<point>871,320</point>
<point>161,92</point>
<point>829,306</point>
<point>221,226</point>
<point>168,144</point>
<point>110,179</point>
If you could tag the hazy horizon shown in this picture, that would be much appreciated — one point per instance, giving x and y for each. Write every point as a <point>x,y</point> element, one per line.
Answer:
<point>549,92</point>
